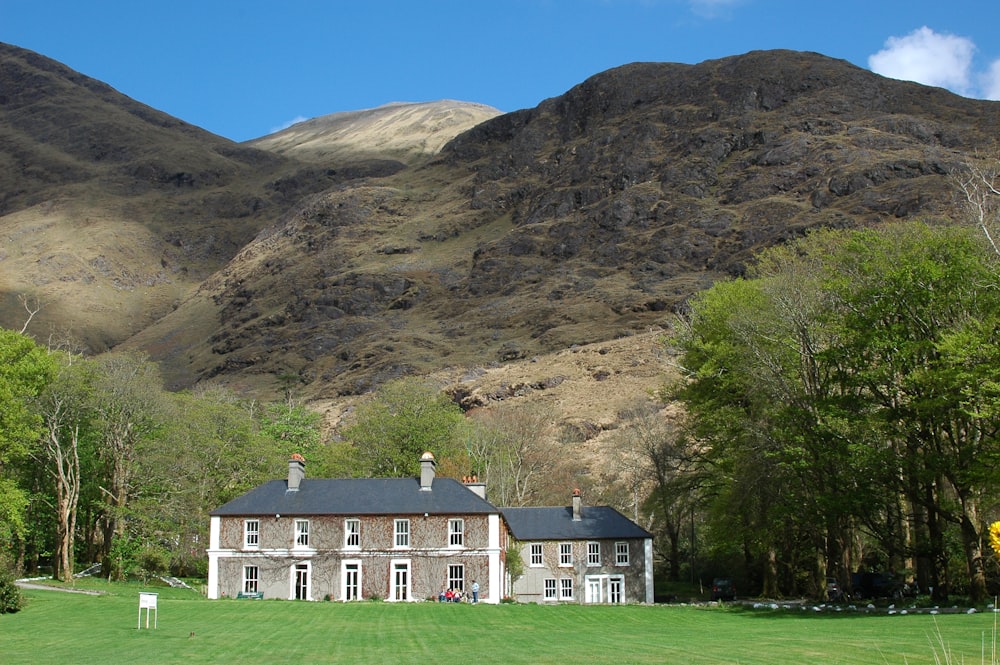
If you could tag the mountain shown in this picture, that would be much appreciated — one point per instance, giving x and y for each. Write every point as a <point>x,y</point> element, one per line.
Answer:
<point>591,217</point>
<point>322,254</point>
<point>408,132</point>
<point>111,212</point>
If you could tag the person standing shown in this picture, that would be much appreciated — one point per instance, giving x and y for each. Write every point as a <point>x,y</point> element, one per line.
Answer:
<point>475,591</point>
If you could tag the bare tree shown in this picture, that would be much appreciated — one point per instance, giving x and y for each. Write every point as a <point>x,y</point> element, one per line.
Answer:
<point>979,183</point>
<point>510,449</point>
<point>30,309</point>
<point>63,409</point>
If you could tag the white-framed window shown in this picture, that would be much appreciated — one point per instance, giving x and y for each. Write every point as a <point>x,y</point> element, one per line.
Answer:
<point>536,554</point>
<point>456,576</point>
<point>302,533</point>
<point>565,588</point>
<point>621,553</point>
<point>251,579</point>
<point>352,533</point>
<point>351,579</point>
<point>550,589</point>
<point>400,590</point>
<point>402,533</point>
<point>593,553</point>
<point>456,533</point>
<point>251,533</point>
<point>565,554</point>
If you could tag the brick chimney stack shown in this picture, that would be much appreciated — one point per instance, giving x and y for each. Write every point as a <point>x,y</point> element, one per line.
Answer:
<point>296,472</point>
<point>577,505</point>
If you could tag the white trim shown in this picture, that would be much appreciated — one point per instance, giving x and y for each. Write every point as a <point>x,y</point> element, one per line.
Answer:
<point>293,570</point>
<point>649,570</point>
<point>393,565</point>
<point>214,537</point>
<point>343,578</point>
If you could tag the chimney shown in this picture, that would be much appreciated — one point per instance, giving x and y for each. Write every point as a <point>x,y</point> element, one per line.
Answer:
<point>472,482</point>
<point>296,472</point>
<point>426,471</point>
<point>577,505</point>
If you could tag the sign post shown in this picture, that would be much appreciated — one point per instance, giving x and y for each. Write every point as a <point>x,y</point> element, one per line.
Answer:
<point>147,601</point>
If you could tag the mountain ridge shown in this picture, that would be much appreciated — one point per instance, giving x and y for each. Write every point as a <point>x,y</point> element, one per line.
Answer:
<point>591,217</point>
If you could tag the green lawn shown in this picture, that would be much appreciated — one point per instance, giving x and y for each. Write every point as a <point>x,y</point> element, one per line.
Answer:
<point>73,629</point>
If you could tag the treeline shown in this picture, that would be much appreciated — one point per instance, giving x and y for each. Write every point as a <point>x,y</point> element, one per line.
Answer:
<point>842,412</point>
<point>98,463</point>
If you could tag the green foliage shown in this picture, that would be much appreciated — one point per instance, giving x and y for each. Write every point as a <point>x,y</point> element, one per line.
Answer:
<point>513,560</point>
<point>404,419</point>
<point>11,599</point>
<point>25,370</point>
<point>851,370</point>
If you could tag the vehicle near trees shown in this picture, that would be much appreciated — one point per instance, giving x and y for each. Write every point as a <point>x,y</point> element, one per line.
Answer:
<point>723,589</point>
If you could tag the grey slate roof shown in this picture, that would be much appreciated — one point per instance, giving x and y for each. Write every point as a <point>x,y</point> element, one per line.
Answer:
<point>358,496</point>
<point>596,523</point>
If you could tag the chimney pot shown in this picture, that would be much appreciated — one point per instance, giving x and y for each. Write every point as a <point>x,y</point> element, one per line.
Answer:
<point>577,505</point>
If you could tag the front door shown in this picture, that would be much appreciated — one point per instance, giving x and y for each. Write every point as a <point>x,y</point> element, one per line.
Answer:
<point>615,586</point>
<point>400,581</point>
<point>352,581</point>
<point>302,581</point>
<point>594,590</point>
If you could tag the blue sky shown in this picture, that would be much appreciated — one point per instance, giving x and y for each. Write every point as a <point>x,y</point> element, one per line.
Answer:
<point>246,68</point>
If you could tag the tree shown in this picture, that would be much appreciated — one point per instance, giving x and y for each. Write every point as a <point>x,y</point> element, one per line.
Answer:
<point>863,355</point>
<point>404,419</point>
<point>509,451</point>
<point>209,450</point>
<point>63,406</point>
<point>25,370</point>
<point>129,407</point>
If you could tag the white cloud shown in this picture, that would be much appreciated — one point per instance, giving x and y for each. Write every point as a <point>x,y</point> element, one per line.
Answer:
<point>991,82</point>
<point>288,124</point>
<point>927,57</point>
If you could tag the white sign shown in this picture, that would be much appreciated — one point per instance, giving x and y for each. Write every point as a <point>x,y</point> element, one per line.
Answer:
<point>147,601</point>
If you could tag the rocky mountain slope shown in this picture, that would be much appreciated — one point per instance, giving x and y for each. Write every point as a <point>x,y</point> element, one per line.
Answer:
<point>586,220</point>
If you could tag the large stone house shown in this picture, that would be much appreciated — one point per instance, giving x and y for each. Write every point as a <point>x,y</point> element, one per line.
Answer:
<point>581,554</point>
<point>406,539</point>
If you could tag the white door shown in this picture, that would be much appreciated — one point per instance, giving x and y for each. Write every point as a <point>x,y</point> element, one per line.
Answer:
<point>352,581</point>
<point>301,581</point>
<point>594,589</point>
<point>616,585</point>
<point>400,581</point>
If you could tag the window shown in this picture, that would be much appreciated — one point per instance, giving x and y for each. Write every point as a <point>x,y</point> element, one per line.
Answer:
<point>251,579</point>
<point>352,580</point>
<point>352,533</point>
<point>550,589</point>
<point>621,554</point>
<point>400,578</point>
<point>565,554</point>
<point>402,533</point>
<point>251,533</point>
<point>536,554</point>
<point>456,533</point>
<point>566,588</point>
<point>456,577</point>
<point>302,533</point>
<point>593,554</point>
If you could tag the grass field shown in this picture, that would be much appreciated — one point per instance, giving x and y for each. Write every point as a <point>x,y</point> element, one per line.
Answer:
<point>74,629</point>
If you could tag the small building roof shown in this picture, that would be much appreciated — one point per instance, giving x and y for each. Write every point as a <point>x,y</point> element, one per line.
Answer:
<point>358,496</point>
<point>595,523</point>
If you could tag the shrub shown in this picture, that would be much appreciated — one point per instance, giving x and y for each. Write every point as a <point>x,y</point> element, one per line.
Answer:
<point>11,599</point>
